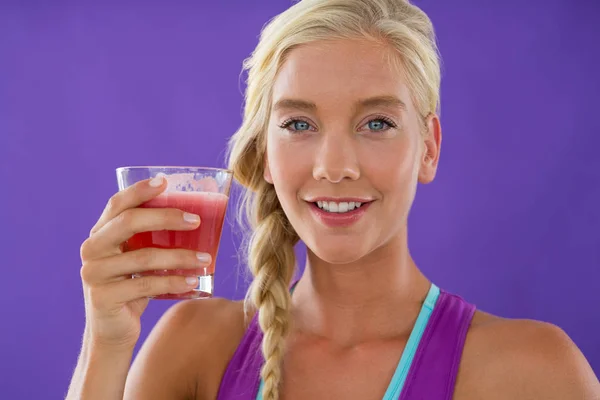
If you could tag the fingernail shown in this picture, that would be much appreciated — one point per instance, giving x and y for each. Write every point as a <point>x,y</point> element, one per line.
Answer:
<point>204,258</point>
<point>191,280</point>
<point>191,218</point>
<point>156,181</point>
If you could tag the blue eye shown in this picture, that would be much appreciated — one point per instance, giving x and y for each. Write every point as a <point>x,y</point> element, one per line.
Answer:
<point>296,125</point>
<point>300,125</point>
<point>376,125</point>
<point>380,124</point>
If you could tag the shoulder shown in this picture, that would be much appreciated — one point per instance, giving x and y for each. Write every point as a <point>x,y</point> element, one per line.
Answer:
<point>202,323</point>
<point>188,350</point>
<point>525,359</point>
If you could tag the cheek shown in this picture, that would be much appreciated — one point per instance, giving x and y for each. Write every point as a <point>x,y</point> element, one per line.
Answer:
<point>289,166</point>
<point>390,166</point>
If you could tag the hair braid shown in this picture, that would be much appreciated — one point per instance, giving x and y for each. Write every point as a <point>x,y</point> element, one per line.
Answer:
<point>272,262</point>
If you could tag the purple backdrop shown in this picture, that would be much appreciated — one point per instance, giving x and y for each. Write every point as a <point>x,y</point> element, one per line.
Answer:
<point>511,222</point>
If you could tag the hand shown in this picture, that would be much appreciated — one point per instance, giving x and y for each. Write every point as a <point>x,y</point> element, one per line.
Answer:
<point>114,302</point>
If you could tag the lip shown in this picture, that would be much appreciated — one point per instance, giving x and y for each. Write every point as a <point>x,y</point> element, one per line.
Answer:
<point>336,220</point>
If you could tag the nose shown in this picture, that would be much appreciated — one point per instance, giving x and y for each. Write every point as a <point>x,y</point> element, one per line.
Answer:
<point>336,158</point>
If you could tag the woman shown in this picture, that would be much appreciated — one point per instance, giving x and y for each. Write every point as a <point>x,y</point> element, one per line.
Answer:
<point>340,126</point>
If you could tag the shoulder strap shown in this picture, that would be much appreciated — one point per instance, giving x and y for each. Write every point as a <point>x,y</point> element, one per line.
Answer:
<point>241,380</point>
<point>242,376</point>
<point>435,366</point>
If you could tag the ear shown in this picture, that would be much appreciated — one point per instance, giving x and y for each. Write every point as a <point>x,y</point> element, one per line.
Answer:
<point>267,171</point>
<point>430,157</point>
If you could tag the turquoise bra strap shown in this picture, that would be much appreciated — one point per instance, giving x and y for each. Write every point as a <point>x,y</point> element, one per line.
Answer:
<point>397,383</point>
<point>260,390</point>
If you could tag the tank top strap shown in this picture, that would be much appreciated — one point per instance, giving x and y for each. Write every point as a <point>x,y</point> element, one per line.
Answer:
<point>241,379</point>
<point>242,376</point>
<point>435,365</point>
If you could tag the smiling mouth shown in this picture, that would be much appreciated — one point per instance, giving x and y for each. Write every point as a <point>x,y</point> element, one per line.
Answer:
<point>340,207</point>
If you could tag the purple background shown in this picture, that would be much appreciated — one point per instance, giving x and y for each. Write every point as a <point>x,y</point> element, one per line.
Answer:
<point>511,222</point>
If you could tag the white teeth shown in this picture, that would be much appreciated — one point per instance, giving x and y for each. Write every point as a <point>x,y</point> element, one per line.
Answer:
<point>340,207</point>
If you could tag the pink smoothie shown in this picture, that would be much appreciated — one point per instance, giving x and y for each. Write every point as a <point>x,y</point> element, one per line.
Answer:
<point>211,208</point>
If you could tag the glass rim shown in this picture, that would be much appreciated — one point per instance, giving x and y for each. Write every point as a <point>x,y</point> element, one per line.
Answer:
<point>175,167</point>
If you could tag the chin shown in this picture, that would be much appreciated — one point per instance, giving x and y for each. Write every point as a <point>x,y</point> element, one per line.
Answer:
<point>338,251</point>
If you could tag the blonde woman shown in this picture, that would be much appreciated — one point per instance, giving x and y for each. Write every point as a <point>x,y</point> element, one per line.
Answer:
<point>340,126</point>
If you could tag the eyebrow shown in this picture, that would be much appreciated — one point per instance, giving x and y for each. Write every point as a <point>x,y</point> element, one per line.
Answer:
<point>382,101</point>
<point>377,101</point>
<point>294,104</point>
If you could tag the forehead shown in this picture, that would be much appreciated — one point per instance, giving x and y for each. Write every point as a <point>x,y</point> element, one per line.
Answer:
<point>340,70</point>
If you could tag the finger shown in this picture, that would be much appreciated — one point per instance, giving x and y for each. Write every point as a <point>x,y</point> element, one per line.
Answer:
<point>148,259</point>
<point>133,196</point>
<point>124,291</point>
<point>108,239</point>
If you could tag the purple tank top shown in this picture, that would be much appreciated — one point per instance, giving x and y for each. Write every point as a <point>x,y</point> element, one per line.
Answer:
<point>432,374</point>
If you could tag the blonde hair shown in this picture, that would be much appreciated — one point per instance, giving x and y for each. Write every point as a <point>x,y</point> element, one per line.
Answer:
<point>395,23</point>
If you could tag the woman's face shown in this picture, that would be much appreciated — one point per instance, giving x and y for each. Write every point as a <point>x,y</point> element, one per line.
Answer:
<point>343,130</point>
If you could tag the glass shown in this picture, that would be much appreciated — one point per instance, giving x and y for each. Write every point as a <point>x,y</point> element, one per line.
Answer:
<point>198,190</point>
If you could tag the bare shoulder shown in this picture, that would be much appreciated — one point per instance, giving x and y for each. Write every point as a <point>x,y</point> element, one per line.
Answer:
<point>187,351</point>
<point>522,359</point>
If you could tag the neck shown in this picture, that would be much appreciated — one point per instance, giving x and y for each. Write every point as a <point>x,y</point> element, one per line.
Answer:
<point>376,297</point>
